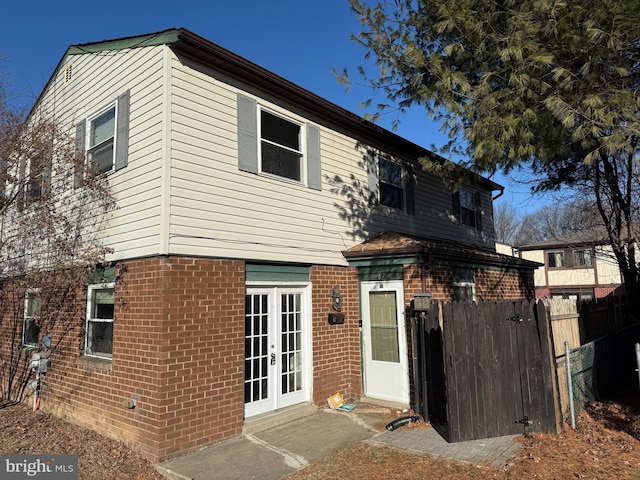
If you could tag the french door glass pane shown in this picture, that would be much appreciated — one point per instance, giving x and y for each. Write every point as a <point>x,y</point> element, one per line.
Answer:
<point>291,335</point>
<point>256,380</point>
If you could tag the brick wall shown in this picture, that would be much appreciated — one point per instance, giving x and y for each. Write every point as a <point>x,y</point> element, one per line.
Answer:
<point>178,350</point>
<point>336,348</point>
<point>491,284</point>
<point>503,286</point>
<point>202,346</point>
<point>543,292</point>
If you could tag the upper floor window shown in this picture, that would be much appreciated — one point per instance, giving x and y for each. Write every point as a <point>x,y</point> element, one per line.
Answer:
<point>102,133</point>
<point>391,186</point>
<point>31,323</point>
<point>104,137</point>
<point>468,207</point>
<point>280,144</point>
<point>100,316</point>
<point>555,259</point>
<point>582,258</point>
<point>273,144</point>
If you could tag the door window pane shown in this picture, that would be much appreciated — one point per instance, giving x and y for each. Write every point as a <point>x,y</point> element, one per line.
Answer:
<point>291,357</point>
<point>384,327</point>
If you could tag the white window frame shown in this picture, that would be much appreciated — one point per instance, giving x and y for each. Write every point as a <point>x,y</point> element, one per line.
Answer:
<point>30,293</point>
<point>113,139</point>
<point>33,180</point>
<point>459,285</point>
<point>90,303</point>
<point>464,279</point>
<point>401,186</point>
<point>301,145</point>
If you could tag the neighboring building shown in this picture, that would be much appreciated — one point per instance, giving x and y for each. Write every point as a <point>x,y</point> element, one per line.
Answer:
<point>266,246</point>
<point>506,249</point>
<point>574,266</point>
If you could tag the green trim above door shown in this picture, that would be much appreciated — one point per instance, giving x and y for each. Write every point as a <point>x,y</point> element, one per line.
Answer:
<point>259,272</point>
<point>380,272</point>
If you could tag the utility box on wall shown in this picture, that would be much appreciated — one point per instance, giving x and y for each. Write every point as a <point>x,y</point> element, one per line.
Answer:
<point>336,318</point>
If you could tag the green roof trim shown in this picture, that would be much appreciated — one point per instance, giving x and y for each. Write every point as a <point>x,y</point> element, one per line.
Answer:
<point>102,275</point>
<point>161,38</point>
<point>376,261</point>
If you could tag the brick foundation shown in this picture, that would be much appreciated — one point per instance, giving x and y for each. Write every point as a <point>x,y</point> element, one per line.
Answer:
<point>178,349</point>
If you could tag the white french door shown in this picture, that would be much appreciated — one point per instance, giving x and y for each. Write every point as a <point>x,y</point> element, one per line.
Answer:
<point>386,362</point>
<point>277,366</point>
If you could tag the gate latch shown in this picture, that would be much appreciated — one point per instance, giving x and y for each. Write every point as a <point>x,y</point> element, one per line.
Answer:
<point>524,421</point>
<point>515,319</point>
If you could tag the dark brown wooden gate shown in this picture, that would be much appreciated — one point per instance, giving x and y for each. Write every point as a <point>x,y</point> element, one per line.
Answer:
<point>493,374</point>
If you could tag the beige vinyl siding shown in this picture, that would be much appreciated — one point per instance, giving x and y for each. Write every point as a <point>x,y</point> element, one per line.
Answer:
<point>560,277</point>
<point>218,210</point>
<point>182,192</point>
<point>539,276</point>
<point>607,265</point>
<point>134,225</point>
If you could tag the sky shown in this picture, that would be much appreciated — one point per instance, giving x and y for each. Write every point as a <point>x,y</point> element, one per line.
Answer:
<point>299,40</point>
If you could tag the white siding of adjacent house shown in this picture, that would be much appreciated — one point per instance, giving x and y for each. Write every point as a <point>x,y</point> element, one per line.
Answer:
<point>218,210</point>
<point>606,269</point>
<point>539,277</point>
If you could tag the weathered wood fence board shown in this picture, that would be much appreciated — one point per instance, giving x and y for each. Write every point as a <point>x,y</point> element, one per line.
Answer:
<point>565,327</point>
<point>498,369</point>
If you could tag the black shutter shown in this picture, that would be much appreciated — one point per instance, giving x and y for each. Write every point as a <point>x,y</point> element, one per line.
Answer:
<point>455,197</point>
<point>371,162</point>
<point>478,205</point>
<point>409,185</point>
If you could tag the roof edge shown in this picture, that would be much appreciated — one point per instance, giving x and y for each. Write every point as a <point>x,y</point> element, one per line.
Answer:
<point>165,37</point>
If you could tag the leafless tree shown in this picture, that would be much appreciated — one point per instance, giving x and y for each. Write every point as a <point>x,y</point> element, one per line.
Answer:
<point>52,212</point>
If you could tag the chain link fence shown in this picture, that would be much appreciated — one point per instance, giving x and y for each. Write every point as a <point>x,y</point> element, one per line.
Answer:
<point>604,367</point>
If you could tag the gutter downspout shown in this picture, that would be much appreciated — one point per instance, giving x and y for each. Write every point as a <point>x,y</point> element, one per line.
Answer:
<point>499,195</point>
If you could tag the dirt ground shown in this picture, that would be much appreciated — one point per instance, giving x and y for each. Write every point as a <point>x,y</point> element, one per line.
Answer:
<point>605,445</point>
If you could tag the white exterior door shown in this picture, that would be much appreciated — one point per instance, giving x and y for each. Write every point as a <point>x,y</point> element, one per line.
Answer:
<point>386,363</point>
<point>277,366</point>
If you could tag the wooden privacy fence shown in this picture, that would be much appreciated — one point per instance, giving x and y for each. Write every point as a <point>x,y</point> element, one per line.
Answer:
<point>579,324</point>
<point>565,327</point>
<point>489,368</point>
